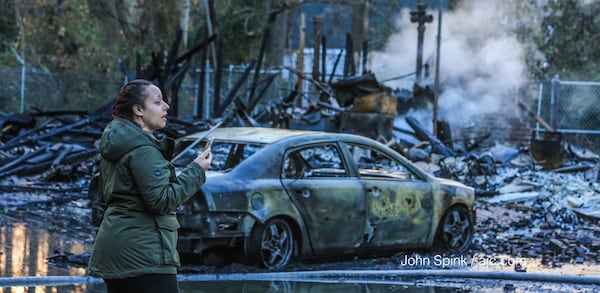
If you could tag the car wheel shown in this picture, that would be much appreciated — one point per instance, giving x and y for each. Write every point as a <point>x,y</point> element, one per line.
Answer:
<point>271,245</point>
<point>455,232</point>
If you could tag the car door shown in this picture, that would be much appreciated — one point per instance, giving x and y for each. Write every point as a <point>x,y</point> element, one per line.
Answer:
<point>330,201</point>
<point>399,204</point>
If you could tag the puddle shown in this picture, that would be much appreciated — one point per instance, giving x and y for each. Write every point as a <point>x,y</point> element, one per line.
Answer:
<point>349,286</point>
<point>25,252</point>
<point>25,249</point>
<point>248,287</point>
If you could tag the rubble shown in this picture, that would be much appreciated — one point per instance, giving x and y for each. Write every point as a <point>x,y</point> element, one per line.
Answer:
<point>529,203</point>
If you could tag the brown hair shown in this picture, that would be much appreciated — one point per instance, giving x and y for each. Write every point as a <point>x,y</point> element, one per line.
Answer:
<point>133,93</point>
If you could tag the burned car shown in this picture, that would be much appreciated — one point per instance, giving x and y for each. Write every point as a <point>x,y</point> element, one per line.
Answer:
<point>277,195</point>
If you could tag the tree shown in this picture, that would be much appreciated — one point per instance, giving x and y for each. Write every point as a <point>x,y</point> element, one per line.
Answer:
<point>569,39</point>
<point>9,28</point>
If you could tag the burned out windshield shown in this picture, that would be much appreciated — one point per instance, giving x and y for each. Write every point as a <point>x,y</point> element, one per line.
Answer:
<point>226,155</point>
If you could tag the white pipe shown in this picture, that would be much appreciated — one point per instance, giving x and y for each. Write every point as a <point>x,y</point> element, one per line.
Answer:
<point>355,276</point>
<point>206,105</point>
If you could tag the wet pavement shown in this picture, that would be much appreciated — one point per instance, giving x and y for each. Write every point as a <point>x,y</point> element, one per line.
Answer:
<point>50,242</point>
<point>534,235</point>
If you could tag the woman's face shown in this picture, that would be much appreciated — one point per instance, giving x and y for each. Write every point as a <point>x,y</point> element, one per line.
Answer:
<point>154,113</point>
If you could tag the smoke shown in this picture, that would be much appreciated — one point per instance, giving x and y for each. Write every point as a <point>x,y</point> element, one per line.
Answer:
<point>481,60</point>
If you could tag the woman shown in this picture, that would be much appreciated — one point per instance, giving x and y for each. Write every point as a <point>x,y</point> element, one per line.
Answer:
<point>135,248</point>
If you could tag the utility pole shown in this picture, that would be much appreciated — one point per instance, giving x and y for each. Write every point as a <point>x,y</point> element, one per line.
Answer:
<point>437,71</point>
<point>420,17</point>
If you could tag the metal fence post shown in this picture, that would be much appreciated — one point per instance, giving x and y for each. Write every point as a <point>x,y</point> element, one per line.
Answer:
<point>553,107</point>
<point>23,69</point>
<point>539,106</point>
<point>206,106</point>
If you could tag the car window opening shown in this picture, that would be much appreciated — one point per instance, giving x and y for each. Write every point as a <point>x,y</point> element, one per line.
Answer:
<point>226,155</point>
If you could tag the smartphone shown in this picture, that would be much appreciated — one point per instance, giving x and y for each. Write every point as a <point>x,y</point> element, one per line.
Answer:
<point>209,141</point>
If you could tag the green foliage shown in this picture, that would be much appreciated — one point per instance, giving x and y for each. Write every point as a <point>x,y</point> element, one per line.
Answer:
<point>9,29</point>
<point>89,37</point>
<point>570,39</point>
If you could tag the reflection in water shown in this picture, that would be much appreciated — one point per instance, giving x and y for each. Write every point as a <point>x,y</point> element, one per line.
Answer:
<point>251,287</point>
<point>24,252</point>
<point>292,286</point>
<point>80,288</point>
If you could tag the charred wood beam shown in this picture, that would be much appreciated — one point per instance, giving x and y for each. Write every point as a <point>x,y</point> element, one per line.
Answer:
<point>65,198</point>
<point>365,50</point>
<point>404,131</point>
<point>253,102</point>
<point>261,54</point>
<point>322,87</point>
<point>50,133</point>
<point>21,159</point>
<point>478,140</point>
<point>263,46</point>
<point>335,64</point>
<point>329,106</point>
<point>188,55</point>
<point>201,84</point>
<point>40,158</point>
<point>349,67</point>
<point>290,98</point>
<point>323,58</point>
<point>153,71</point>
<point>126,70</point>
<point>536,117</point>
<point>61,155</point>
<point>317,29</point>
<point>5,155</point>
<point>218,76</point>
<point>13,187</point>
<point>171,57</point>
<point>58,113</point>
<point>176,78</point>
<point>236,87</point>
<point>243,116</point>
<point>422,134</point>
<point>138,65</point>
<point>23,137</point>
<point>29,169</point>
<point>165,77</point>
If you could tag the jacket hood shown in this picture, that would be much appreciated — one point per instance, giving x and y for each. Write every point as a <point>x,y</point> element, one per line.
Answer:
<point>121,136</point>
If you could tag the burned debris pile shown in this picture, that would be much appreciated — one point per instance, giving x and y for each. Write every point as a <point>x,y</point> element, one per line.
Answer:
<point>49,157</point>
<point>539,201</point>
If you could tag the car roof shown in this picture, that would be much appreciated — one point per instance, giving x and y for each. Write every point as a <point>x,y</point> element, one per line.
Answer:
<point>252,134</point>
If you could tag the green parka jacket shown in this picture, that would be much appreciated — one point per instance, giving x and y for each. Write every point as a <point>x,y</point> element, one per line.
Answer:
<point>138,185</point>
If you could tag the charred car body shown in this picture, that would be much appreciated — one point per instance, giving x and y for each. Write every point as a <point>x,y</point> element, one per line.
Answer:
<point>276,195</point>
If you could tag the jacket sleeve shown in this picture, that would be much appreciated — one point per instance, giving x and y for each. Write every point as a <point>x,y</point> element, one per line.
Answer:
<point>155,177</point>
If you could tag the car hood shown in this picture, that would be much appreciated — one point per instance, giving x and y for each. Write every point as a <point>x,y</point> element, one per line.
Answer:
<point>211,174</point>
<point>450,182</point>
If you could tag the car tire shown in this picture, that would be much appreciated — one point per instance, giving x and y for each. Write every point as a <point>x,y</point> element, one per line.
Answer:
<point>271,245</point>
<point>455,230</point>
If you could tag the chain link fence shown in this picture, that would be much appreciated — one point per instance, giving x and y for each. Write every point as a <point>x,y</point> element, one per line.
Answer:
<point>47,91</point>
<point>573,109</point>
<point>569,107</point>
<point>24,91</point>
<point>235,80</point>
